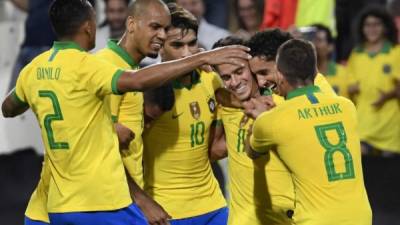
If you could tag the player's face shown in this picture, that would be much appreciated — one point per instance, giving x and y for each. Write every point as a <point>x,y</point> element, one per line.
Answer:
<point>149,29</point>
<point>116,13</point>
<point>179,44</point>
<point>264,71</point>
<point>322,46</point>
<point>373,29</point>
<point>238,79</point>
<point>196,7</point>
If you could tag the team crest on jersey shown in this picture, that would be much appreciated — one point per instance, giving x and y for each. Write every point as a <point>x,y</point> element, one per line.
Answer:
<point>387,69</point>
<point>243,121</point>
<point>211,105</point>
<point>195,110</point>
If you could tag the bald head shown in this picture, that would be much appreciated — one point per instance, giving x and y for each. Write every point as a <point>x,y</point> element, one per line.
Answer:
<point>142,7</point>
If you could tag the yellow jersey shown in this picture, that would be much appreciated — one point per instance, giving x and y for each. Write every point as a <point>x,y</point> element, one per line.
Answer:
<point>338,79</point>
<point>37,209</point>
<point>177,171</point>
<point>66,89</point>
<point>376,73</point>
<point>268,177</point>
<point>315,135</point>
<point>127,110</point>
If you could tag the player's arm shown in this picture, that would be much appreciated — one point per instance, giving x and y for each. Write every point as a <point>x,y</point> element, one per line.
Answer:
<point>386,96</point>
<point>12,106</point>
<point>227,98</point>
<point>154,212</point>
<point>259,140</point>
<point>157,75</point>
<point>217,145</point>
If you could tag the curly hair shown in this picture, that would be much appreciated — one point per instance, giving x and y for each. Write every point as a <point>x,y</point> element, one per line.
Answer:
<point>380,13</point>
<point>267,42</point>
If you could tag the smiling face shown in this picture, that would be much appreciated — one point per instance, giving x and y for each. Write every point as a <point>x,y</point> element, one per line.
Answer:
<point>149,29</point>
<point>238,79</point>
<point>179,44</point>
<point>373,29</point>
<point>264,70</point>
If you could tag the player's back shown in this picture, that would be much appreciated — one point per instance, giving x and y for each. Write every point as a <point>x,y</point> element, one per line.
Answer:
<point>65,87</point>
<point>317,139</point>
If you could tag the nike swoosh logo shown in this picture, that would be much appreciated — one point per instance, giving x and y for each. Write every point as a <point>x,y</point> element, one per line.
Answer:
<point>176,116</point>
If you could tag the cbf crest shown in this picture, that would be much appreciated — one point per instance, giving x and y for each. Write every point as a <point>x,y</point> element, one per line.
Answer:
<point>195,110</point>
<point>211,105</point>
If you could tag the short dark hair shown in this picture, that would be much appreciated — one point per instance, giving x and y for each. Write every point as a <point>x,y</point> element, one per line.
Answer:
<point>229,40</point>
<point>380,13</point>
<point>326,30</point>
<point>67,16</point>
<point>182,19</point>
<point>267,42</point>
<point>297,61</point>
<point>162,96</point>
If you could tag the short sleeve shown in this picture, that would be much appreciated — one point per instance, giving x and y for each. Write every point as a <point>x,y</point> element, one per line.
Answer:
<point>102,76</point>
<point>19,93</point>
<point>262,137</point>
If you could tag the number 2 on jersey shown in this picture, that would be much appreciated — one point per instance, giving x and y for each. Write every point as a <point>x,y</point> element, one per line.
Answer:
<point>52,117</point>
<point>332,148</point>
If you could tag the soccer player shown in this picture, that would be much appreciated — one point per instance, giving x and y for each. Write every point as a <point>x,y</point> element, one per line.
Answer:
<point>249,202</point>
<point>264,46</point>
<point>334,73</point>
<point>66,88</point>
<point>177,171</point>
<point>315,135</point>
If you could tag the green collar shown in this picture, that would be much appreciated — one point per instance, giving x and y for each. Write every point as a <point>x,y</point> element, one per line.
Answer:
<point>331,69</point>
<point>60,45</point>
<point>195,79</point>
<point>113,45</point>
<point>384,50</point>
<point>307,90</point>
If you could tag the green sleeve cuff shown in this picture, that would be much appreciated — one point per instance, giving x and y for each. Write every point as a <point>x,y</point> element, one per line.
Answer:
<point>114,82</point>
<point>114,118</point>
<point>17,99</point>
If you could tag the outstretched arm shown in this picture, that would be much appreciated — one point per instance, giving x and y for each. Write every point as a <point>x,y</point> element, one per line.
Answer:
<point>157,75</point>
<point>12,106</point>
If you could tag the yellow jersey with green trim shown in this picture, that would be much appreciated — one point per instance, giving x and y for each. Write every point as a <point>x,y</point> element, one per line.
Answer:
<point>37,209</point>
<point>316,136</point>
<point>66,89</point>
<point>261,191</point>
<point>177,171</point>
<point>127,110</point>
<point>338,79</point>
<point>376,73</point>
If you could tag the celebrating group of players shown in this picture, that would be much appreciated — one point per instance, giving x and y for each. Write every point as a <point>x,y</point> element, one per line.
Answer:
<point>293,156</point>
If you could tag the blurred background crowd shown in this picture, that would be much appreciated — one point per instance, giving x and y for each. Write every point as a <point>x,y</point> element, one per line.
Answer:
<point>356,43</point>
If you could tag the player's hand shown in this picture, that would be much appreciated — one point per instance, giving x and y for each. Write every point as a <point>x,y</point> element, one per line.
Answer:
<point>255,106</point>
<point>234,54</point>
<point>380,101</point>
<point>125,136</point>
<point>154,213</point>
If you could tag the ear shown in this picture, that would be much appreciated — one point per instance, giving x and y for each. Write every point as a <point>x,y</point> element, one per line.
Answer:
<point>130,24</point>
<point>87,28</point>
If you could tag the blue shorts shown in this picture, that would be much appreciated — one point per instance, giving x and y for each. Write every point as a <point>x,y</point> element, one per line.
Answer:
<point>217,217</point>
<point>131,215</point>
<point>28,221</point>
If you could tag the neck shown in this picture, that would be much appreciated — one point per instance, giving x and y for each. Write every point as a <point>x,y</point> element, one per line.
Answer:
<point>130,48</point>
<point>78,39</point>
<point>297,86</point>
<point>186,79</point>
<point>323,63</point>
<point>374,46</point>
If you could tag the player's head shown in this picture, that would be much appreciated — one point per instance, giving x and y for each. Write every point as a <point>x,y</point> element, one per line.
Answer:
<point>145,26</point>
<point>323,41</point>
<point>116,14</point>
<point>181,34</point>
<point>236,78</point>
<point>296,65</point>
<point>74,19</point>
<point>157,101</point>
<point>196,7</point>
<point>264,47</point>
<point>375,24</point>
